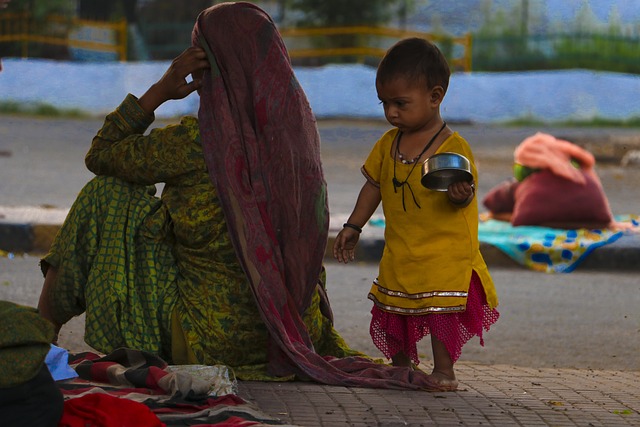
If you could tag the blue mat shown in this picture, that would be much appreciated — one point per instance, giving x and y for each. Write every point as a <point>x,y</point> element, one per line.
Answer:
<point>549,250</point>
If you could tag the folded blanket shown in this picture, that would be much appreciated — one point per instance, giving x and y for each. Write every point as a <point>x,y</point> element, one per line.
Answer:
<point>551,250</point>
<point>165,395</point>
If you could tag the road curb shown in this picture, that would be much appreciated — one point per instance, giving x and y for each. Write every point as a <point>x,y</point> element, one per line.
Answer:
<point>619,256</point>
<point>33,229</point>
<point>27,238</point>
<point>29,229</point>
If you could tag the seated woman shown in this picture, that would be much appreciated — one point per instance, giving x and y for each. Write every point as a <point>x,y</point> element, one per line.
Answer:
<point>226,267</point>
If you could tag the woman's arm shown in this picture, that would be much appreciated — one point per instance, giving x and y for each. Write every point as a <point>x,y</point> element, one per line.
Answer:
<point>120,147</point>
<point>173,84</point>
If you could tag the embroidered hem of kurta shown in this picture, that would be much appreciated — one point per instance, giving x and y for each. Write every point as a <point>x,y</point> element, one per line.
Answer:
<point>420,295</point>
<point>423,310</point>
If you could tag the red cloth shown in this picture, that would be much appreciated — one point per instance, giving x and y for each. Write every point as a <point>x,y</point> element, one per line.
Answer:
<point>137,376</point>
<point>262,149</point>
<point>103,410</point>
<point>556,193</point>
<point>547,199</point>
<point>501,198</point>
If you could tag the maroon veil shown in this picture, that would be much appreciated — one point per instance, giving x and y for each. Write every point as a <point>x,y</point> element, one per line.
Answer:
<point>262,149</point>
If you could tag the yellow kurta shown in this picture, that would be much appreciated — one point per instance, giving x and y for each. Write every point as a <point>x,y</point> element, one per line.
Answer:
<point>430,251</point>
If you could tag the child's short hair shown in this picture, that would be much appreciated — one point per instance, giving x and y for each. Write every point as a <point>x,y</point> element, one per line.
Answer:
<point>415,59</point>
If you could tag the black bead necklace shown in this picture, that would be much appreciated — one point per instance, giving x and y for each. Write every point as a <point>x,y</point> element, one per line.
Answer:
<point>396,154</point>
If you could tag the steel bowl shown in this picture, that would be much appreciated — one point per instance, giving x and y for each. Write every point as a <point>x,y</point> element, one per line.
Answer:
<point>443,169</point>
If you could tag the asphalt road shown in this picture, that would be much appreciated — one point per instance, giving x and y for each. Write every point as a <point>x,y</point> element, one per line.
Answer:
<point>577,320</point>
<point>580,320</point>
<point>42,159</point>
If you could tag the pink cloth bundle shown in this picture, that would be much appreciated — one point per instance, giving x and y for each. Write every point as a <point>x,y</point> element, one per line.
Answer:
<point>544,151</point>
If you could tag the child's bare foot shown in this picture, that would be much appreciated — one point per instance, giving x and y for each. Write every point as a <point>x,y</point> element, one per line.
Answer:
<point>402,360</point>
<point>443,381</point>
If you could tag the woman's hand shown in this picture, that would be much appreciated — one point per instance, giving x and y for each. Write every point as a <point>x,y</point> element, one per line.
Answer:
<point>461,193</point>
<point>173,84</point>
<point>345,244</point>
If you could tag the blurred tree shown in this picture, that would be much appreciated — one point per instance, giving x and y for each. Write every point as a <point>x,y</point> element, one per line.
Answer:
<point>108,10</point>
<point>336,13</point>
<point>165,25</point>
<point>586,21</point>
<point>498,21</point>
<point>40,10</point>
<point>95,10</point>
<point>339,13</point>
<point>172,11</point>
<point>281,16</point>
<point>404,8</point>
<point>616,28</point>
<point>503,42</point>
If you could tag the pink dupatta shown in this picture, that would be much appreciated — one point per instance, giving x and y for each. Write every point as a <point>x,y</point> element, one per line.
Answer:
<point>262,149</point>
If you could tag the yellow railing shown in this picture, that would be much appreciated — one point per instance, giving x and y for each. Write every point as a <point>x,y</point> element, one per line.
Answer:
<point>301,42</point>
<point>462,61</point>
<point>21,28</point>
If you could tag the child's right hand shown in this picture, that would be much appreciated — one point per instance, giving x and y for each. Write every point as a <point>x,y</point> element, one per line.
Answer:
<point>345,244</point>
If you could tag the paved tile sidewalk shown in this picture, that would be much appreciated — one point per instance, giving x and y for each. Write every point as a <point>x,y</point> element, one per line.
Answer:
<point>489,396</point>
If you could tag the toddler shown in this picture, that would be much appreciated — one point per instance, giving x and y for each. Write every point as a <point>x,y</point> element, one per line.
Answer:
<point>432,278</point>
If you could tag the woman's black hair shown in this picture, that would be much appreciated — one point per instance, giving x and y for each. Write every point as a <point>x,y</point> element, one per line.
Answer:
<point>415,59</point>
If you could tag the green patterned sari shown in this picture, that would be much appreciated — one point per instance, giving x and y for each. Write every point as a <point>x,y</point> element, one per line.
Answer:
<point>161,274</point>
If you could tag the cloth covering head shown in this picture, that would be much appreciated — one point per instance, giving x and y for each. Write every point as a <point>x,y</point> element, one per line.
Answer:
<point>262,149</point>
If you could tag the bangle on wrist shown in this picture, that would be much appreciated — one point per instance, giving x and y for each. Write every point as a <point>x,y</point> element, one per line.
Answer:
<point>355,227</point>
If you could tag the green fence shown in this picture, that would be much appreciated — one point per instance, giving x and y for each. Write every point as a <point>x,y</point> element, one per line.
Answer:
<point>557,51</point>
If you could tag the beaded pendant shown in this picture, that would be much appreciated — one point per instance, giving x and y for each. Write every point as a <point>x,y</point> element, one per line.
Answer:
<point>408,162</point>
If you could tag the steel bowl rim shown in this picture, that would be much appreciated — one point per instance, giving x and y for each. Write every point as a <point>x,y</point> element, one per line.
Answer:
<point>430,170</point>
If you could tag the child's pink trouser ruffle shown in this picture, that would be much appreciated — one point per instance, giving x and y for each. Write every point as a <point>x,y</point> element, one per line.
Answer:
<point>393,333</point>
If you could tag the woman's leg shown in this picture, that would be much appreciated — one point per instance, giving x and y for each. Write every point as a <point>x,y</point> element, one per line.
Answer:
<point>44,303</point>
<point>67,264</point>
<point>112,263</point>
